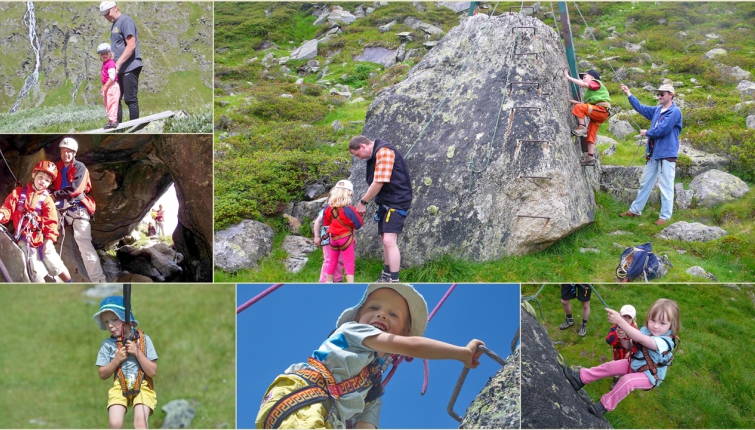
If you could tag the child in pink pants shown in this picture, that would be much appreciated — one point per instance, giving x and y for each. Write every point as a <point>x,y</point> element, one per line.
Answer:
<point>111,94</point>
<point>646,366</point>
<point>320,230</point>
<point>342,219</point>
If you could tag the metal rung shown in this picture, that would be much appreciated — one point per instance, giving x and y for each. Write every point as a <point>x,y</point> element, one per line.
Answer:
<point>531,140</point>
<point>527,53</point>
<point>527,107</point>
<point>534,216</point>
<point>537,177</point>
<point>450,408</point>
<point>537,84</point>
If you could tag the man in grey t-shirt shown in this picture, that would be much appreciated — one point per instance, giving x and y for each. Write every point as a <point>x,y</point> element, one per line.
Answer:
<point>128,60</point>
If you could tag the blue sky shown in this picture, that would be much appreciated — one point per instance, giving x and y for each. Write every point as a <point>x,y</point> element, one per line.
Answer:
<point>287,325</point>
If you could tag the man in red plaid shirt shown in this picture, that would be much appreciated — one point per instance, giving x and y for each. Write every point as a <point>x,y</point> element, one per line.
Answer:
<point>391,187</point>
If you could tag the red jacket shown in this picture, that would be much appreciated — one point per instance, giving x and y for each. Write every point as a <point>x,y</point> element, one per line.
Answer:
<point>78,177</point>
<point>47,220</point>
<point>619,353</point>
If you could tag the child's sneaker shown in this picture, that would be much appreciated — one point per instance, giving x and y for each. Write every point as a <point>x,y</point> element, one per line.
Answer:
<point>573,377</point>
<point>580,131</point>
<point>582,330</point>
<point>109,125</point>
<point>568,323</point>
<point>597,409</point>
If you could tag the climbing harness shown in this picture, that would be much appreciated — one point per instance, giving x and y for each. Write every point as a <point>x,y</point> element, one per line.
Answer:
<point>321,387</point>
<point>665,358</point>
<point>30,225</point>
<point>349,234</point>
<point>387,211</point>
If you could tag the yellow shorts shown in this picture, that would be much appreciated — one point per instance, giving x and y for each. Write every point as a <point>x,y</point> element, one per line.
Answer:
<point>308,417</point>
<point>145,397</point>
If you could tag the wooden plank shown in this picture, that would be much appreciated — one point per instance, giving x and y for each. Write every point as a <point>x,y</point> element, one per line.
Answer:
<point>135,122</point>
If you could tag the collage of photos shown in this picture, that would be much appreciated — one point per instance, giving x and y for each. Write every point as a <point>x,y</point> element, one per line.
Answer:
<point>381,214</point>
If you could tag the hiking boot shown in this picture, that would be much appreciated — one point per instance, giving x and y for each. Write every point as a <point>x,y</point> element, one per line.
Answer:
<point>109,125</point>
<point>597,409</point>
<point>588,161</point>
<point>661,221</point>
<point>582,330</point>
<point>580,131</point>
<point>628,214</point>
<point>573,377</point>
<point>568,323</point>
<point>384,277</point>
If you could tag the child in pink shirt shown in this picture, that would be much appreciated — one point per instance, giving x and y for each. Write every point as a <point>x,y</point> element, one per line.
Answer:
<point>111,94</point>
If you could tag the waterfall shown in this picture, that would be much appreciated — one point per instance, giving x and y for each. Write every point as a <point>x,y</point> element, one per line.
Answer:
<point>31,21</point>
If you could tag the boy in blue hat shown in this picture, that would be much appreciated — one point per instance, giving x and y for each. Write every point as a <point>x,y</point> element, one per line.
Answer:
<point>341,380</point>
<point>129,355</point>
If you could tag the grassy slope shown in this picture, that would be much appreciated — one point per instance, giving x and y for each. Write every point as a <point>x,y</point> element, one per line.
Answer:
<point>711,382</point>
<point>49,374</point>
<point>259,134</point>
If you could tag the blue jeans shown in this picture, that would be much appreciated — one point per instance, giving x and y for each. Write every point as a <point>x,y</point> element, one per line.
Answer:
<point>664,171</point>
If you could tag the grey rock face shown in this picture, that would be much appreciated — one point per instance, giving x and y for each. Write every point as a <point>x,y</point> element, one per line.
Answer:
<point>13,259</point>
<point>750,122</point>
<point>306,51</point>
<point>491,214</point>
<point>702,161</point>
<point>715,187</point>
<point>623,183</point>
<point>691,232</point>
<point>430,29</point>
<point>159,262</point>
<point>735,73</point>
<point>715,53</point>
<point>498,405</point>
<point>683,197</point>
<point>242,245</point>
<point>298,249</point>
<point>701,273</point>
<point>386,27</point>
<point>548,399</point>
<point>337,14</point>
<point>178,414</point>
<point>632,47</point>
<point>620,128</point>
<point>308,209</point>
<point>383,56</point>
<point>746,90</point>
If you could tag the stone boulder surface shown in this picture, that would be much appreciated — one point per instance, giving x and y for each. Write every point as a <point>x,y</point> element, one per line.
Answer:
<point>548,399</point>
<point>498,406</point>
<point>242,245</point>
<point>691,232</point>
<point>178,414</point>
<point>502,208</point>
<point>715,187</point>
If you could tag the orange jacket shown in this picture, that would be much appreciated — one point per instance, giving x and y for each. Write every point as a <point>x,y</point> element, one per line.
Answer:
<point>47,220</point>
<point>78,177</point>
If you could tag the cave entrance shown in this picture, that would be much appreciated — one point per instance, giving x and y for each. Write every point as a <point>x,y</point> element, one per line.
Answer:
<point>170,206</point>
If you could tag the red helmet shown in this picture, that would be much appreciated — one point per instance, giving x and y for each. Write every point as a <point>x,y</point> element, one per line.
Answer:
<point>46,166</point>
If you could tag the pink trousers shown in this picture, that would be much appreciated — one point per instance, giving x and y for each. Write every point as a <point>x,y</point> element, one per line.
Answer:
<point>112,98</point>
<point>347,254</point>
<point>338,275</point>
<point>628,382</point>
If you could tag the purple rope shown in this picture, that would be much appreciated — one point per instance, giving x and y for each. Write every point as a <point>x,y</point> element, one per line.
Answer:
<point>440,303</point>
<point>258,297</point>
<point>425,363</point>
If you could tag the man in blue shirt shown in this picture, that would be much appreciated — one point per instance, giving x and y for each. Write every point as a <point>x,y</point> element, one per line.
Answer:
<point>661,152</point>
<point>128,60</point>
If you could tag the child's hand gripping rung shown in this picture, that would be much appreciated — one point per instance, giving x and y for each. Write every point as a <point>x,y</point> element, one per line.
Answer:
<point>463,376</point>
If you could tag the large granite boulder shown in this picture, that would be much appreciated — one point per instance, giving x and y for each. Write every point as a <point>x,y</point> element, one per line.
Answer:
<point>527,189</point>
<point>498,406</point>
<point>129,173</point>
<point>715,187</point>
<point>178,414</point>
<point>242,245</point>
<point>548,399</point>
<point>623,183</point>
<point>158,262</point>
<point>12,259</point>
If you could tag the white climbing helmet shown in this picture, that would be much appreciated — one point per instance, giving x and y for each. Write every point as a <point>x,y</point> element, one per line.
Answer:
<point>70,143</point>
<point>104,47</point>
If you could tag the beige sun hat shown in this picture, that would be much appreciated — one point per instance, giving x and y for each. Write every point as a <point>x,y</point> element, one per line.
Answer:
<point>416,303</point>
<point>346,184</point>
<point>628,310</point>
<point>667,88</point>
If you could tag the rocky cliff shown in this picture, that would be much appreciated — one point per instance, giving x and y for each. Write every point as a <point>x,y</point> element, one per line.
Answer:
<point>498,406</point>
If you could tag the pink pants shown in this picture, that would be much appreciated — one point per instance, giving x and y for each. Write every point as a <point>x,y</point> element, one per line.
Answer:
<point>112,98</point>
<point>347,254</point>
<point>629,382</point>
<point>338,275</point>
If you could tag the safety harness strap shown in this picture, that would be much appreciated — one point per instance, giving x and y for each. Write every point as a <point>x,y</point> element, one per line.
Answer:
<point>131,393</point>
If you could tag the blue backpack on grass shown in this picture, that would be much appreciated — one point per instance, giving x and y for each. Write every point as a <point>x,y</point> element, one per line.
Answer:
<point>639,263</point>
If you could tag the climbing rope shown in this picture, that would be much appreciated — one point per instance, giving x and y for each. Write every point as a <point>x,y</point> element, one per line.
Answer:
<point>257,298</point>
<point>18,184</point>
<point>534,297</point>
